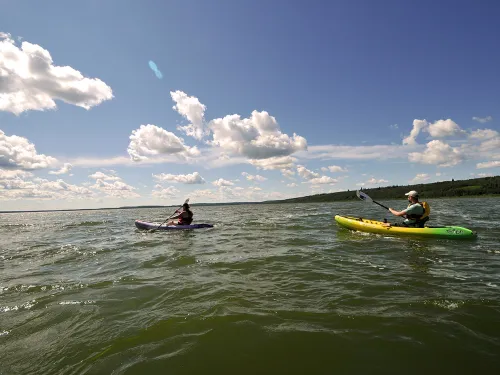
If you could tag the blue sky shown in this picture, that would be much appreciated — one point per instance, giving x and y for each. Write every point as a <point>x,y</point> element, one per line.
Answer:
<point>273,99</point>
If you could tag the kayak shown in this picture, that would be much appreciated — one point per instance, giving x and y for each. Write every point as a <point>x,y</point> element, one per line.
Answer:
<point>373,226</point>
<point>148,225</point>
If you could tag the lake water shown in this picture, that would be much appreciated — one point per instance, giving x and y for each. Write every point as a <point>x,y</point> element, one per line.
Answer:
<point>271,289</point>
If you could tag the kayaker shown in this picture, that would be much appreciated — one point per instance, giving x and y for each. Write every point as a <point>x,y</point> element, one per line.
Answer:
<point>185,216</point>
<point>416,214</point>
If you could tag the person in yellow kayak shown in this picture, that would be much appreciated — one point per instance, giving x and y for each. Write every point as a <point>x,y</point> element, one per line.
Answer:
<point>416,214</point>
<point>185,216</point>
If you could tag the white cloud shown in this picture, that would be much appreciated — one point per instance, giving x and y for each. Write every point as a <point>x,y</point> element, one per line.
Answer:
<point>66,168</point>
<point>150,140</point>
<point>323,180</point>
<point>488,164</point>
<point>492,144</point>
<point>376,152</point>
<point>375,181</point>
<point>193,178</point>
<point>293,184</point>
<point>482,120</point>
<point>437,129</point>
<point>421,177</point>
<point>288,173</point>
<point>279,162</point>
<point>418,125</point>
<point>165,193</point>
<point>118,189</point>
<point>483,134</point>
<point>305,173</point>
<point>190,108</point>
<point>30,81</point>
<point>250,177</point>
<point>11,174</point>
<point>221,182</point>
<point>257,137</point>
<point>444,128</point>
<point>104,177</point>
<point>18,153</point>
<point>395,126</point>
<point>438,152</point>
<point>22,185</point>
<point>334,168</point>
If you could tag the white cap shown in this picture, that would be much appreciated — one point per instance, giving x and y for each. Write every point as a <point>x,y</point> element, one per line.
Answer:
<point>412,193</point>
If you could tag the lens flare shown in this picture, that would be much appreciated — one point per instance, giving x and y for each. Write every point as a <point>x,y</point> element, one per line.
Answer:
<point>155,69</point>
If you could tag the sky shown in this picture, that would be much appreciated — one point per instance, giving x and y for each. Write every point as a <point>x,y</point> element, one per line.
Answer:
<point>113,103</point>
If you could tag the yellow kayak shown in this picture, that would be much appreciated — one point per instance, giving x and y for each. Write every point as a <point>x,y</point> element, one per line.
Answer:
<point>378,227</point>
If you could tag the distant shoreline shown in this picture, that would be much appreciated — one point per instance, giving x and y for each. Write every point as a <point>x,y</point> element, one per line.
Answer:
<point>484,187</point>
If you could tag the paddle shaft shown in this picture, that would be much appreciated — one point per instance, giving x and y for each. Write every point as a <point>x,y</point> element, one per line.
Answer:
<point>381,205</point>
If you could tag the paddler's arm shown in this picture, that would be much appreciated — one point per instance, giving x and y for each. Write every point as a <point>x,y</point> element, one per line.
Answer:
<point>397,213</point>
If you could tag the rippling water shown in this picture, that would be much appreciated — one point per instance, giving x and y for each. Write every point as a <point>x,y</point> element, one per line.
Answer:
<point>270,289</point>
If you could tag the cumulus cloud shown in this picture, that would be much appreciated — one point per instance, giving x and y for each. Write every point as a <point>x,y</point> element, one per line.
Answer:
<point>150,140</point>
<point>439,153</point>
<point>66,168</point>
<point>418,126</point>
<point>22,185</point>
<point>193,178</point>
<point>221,182</point>
<point>279,162</point>
<point>165,193</point>
<point>18,153</point>
<point>375,181</point>
<point>323,180</point>
<point>104,177</point>
<point>488,164</point>
<point>482,120</point>
<point>190,108</point>
<point>257,137</point>
<point>293,184</point>
<point>334,168</point>
<point>437,129</point>
<point>118,189</point>
<point>288,173</point>
<point>421,177</point>
<point>257,177</point>
<point>305,173</point>
<point>444,128</point>
<point>483,134</point>
<point>30,80</point>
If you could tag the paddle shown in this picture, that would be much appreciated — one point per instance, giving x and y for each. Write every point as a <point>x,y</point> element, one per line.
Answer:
<point>366,198</point>
<point>186,201</point>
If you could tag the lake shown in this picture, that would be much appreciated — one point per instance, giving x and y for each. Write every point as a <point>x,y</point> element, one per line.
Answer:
<point>271,289</point>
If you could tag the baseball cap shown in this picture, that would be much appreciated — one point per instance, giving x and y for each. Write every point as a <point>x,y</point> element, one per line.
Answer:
<point>412,193</point>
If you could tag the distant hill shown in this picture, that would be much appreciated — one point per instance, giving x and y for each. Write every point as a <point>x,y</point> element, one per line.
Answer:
<point>484,186</point>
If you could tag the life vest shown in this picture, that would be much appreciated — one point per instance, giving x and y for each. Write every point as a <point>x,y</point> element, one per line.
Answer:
<point>189,220</point>
<point>421,218</point>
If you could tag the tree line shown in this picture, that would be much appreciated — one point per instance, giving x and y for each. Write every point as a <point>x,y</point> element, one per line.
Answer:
<point>489,186</point>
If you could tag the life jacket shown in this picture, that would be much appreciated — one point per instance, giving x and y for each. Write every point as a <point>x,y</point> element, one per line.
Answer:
<point>421,219</point>
<point>189,220</point>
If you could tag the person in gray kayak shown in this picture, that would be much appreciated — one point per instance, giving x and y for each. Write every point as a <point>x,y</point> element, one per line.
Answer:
<point>416,214</point>
<point>185,216</point>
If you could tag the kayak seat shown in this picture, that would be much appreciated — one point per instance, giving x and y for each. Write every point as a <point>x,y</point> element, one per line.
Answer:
<point>421,223</point>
